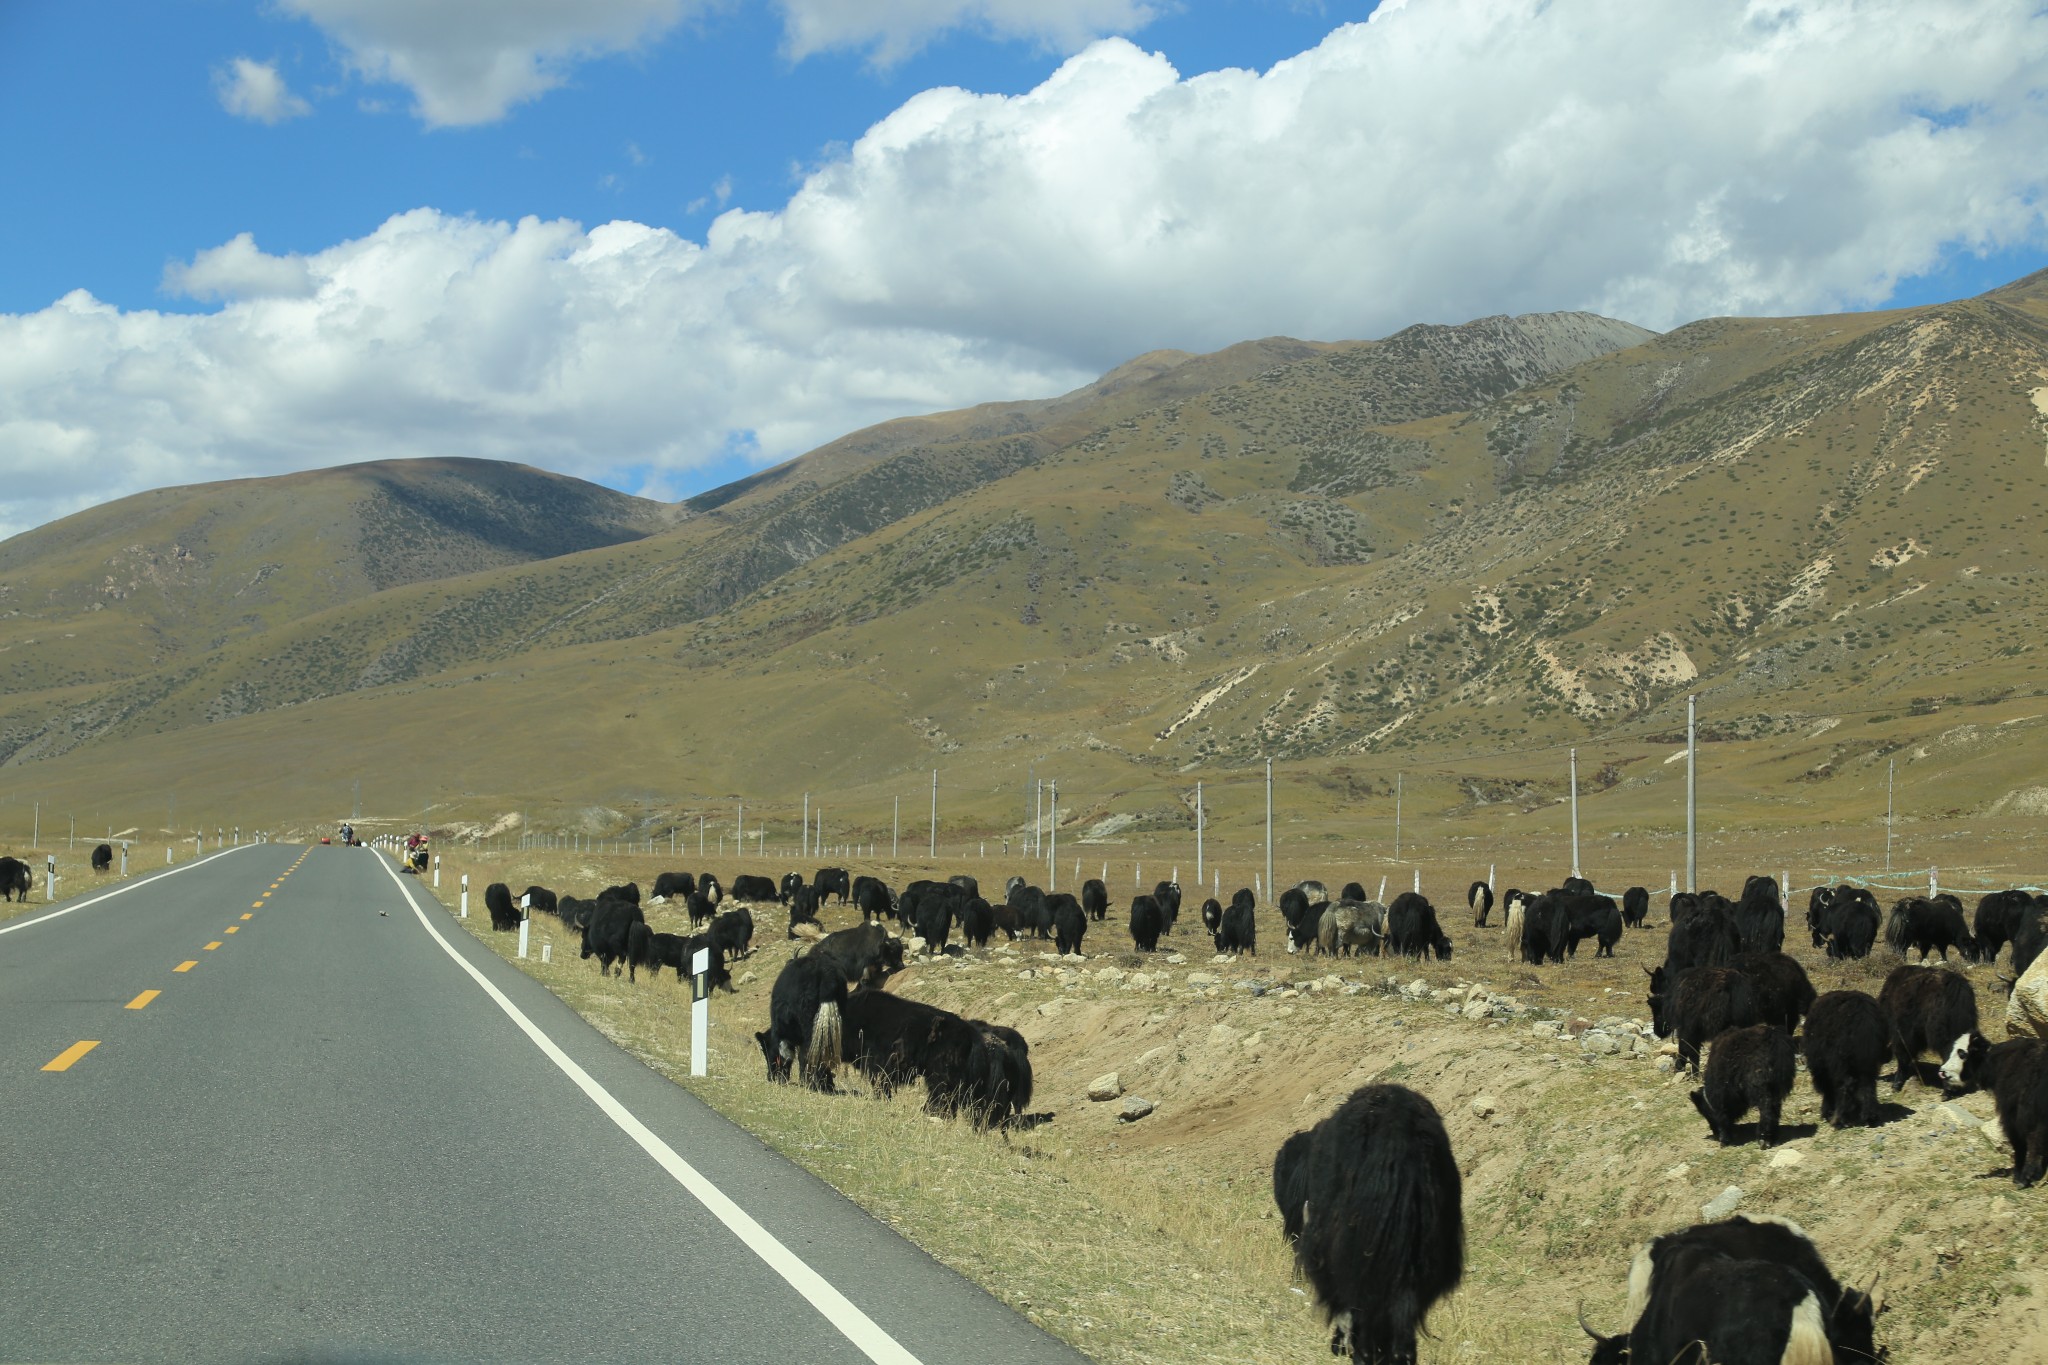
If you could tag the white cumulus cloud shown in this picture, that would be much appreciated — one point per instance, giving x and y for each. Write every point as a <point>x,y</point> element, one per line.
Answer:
<point>896,29</point>
<point>238,269</point>
<point>468,62</point>
<point>1451,159</point>
<point>254,90</point>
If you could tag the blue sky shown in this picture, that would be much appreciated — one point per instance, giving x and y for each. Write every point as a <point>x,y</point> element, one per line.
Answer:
<point>660,242</point>
<point>134,163</point>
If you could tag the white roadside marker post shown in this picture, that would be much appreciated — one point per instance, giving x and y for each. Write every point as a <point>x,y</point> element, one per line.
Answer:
<point>465,895</point>
<point>700,1009</point>
<point>525,914</point>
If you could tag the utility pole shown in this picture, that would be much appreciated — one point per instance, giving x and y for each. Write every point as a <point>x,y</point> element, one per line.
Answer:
<point>896,828</point>
<point>1891,766</point>
<point>739,837</point>
<point>1274,899</point>
<point>1198,832</point>
<point>935,815</point>
<point>1052,862</point>
<point>1575,812</point>
<point>1692,792</point>
<point>1037,816</point>
<point>804,844</point>
<point>1397,815</point>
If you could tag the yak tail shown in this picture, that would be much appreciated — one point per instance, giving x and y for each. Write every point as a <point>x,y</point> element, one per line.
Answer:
<point>1807,1344</point>
<point>826,1038</point>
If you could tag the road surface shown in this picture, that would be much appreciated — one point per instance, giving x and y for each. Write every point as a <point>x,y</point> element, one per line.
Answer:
<point>266,1107</point>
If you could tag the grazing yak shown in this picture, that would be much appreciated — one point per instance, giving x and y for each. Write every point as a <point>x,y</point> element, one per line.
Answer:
<point>1478,896</point>
<point>1699,1004</point>
<point>1848,1040</point>
<point>733,932</point>
<point>832,881</point>
<point>1635,906</point>
<point>968,884</point>
<point>702,909</point>
<point>872,898</point>
<point>674,886</point>
<point>1783,992</point>
<point>1759,916</point>
<point>1349,927</point>
<point>1237,929</point>
<point>1929,1009</point>
<point>1212,916</point>
<point>1148,922</point>
<point>868,953</point>
<point>792,882</point>
<point>1844,921</point>
<point>678,950</point>
<point>498,900</point>
<point>980,1069</point>
<point>542,899</point>
<point>760,890</point>
<point>605,933</point>
<point>977,922</point>
<point>1374,1202</point>
<point>1516,903</point>
<point>934,920</point>
<point>1739,1292</point>
<point>804,1021</point>
<point>1747,1068</point>
<point>2016,1073</point>
<point>1069,923</point>
<point>1168,896</point>
<point>629,893</point>
<point>1930,925</point>
<point>1999,916</point>
<point>1095,898</point>
<point>103,858</point>
<point>15,879</point>
<point>1301,906</point>
<point>803,908</point>
<point>1412,930</point>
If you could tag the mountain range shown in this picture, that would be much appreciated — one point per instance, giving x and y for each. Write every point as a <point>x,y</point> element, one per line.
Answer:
<point>1442,552</point>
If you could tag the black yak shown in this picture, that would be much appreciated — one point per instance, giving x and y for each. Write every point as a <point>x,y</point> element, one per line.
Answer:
<point>804,1021</point>
<point>1847,1041</point>
<point>1747,1068</point>
<point>1376,1200</point>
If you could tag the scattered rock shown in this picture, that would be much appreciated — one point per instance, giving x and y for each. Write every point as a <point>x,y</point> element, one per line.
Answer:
<point>1786,1157</point>
<point>1678,1172</point>
<point>1151,1056</point>
<point>1484,1105</point>
<point>1134,1109</point>
<point>1479,1008</point>
<point>1255,987</point>
<point>1223,1035</point>
<point>1110,975</point>
<point>1994,1131</point>
<point>1955,1115</point>
<point>1105,1087</point>
<point>1176,958</point>
<point>1722,1204</point>
<point>1599,1044</point>
<point>1416,989</point>
<point>1667,1065</point>
<point>1204,979</point>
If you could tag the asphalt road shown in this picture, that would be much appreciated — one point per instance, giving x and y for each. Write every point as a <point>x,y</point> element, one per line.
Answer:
<point>326,1139</point>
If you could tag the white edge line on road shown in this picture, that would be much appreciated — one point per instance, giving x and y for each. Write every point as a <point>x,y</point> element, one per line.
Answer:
<point>856,1326</point>
<point>146,880</point>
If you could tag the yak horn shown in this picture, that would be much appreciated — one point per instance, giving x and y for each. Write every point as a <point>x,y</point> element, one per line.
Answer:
<point>1582,1323</point>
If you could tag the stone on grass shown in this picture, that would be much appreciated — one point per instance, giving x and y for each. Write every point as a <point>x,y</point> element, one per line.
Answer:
<point>1484,1105</point>
<point>1722,1204</point>
<point>1134,1109</point>
<point>1105,1087</point>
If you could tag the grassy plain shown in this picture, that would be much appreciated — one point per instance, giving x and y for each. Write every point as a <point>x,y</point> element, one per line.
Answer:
<point>1155,1242</point>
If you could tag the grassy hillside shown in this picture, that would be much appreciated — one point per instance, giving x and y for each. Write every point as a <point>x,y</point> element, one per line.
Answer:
<point>165,576</point>
<point>1437,555</point>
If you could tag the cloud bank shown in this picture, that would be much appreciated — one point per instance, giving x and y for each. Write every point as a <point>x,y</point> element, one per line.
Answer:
<point>1450,159</point>
<point>254,90</point>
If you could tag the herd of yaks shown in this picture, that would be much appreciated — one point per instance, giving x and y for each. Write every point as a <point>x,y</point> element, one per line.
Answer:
<point>1370,1198</point>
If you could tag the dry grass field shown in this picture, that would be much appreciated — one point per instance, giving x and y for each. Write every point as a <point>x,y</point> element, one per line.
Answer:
<point>1155,1241</point>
